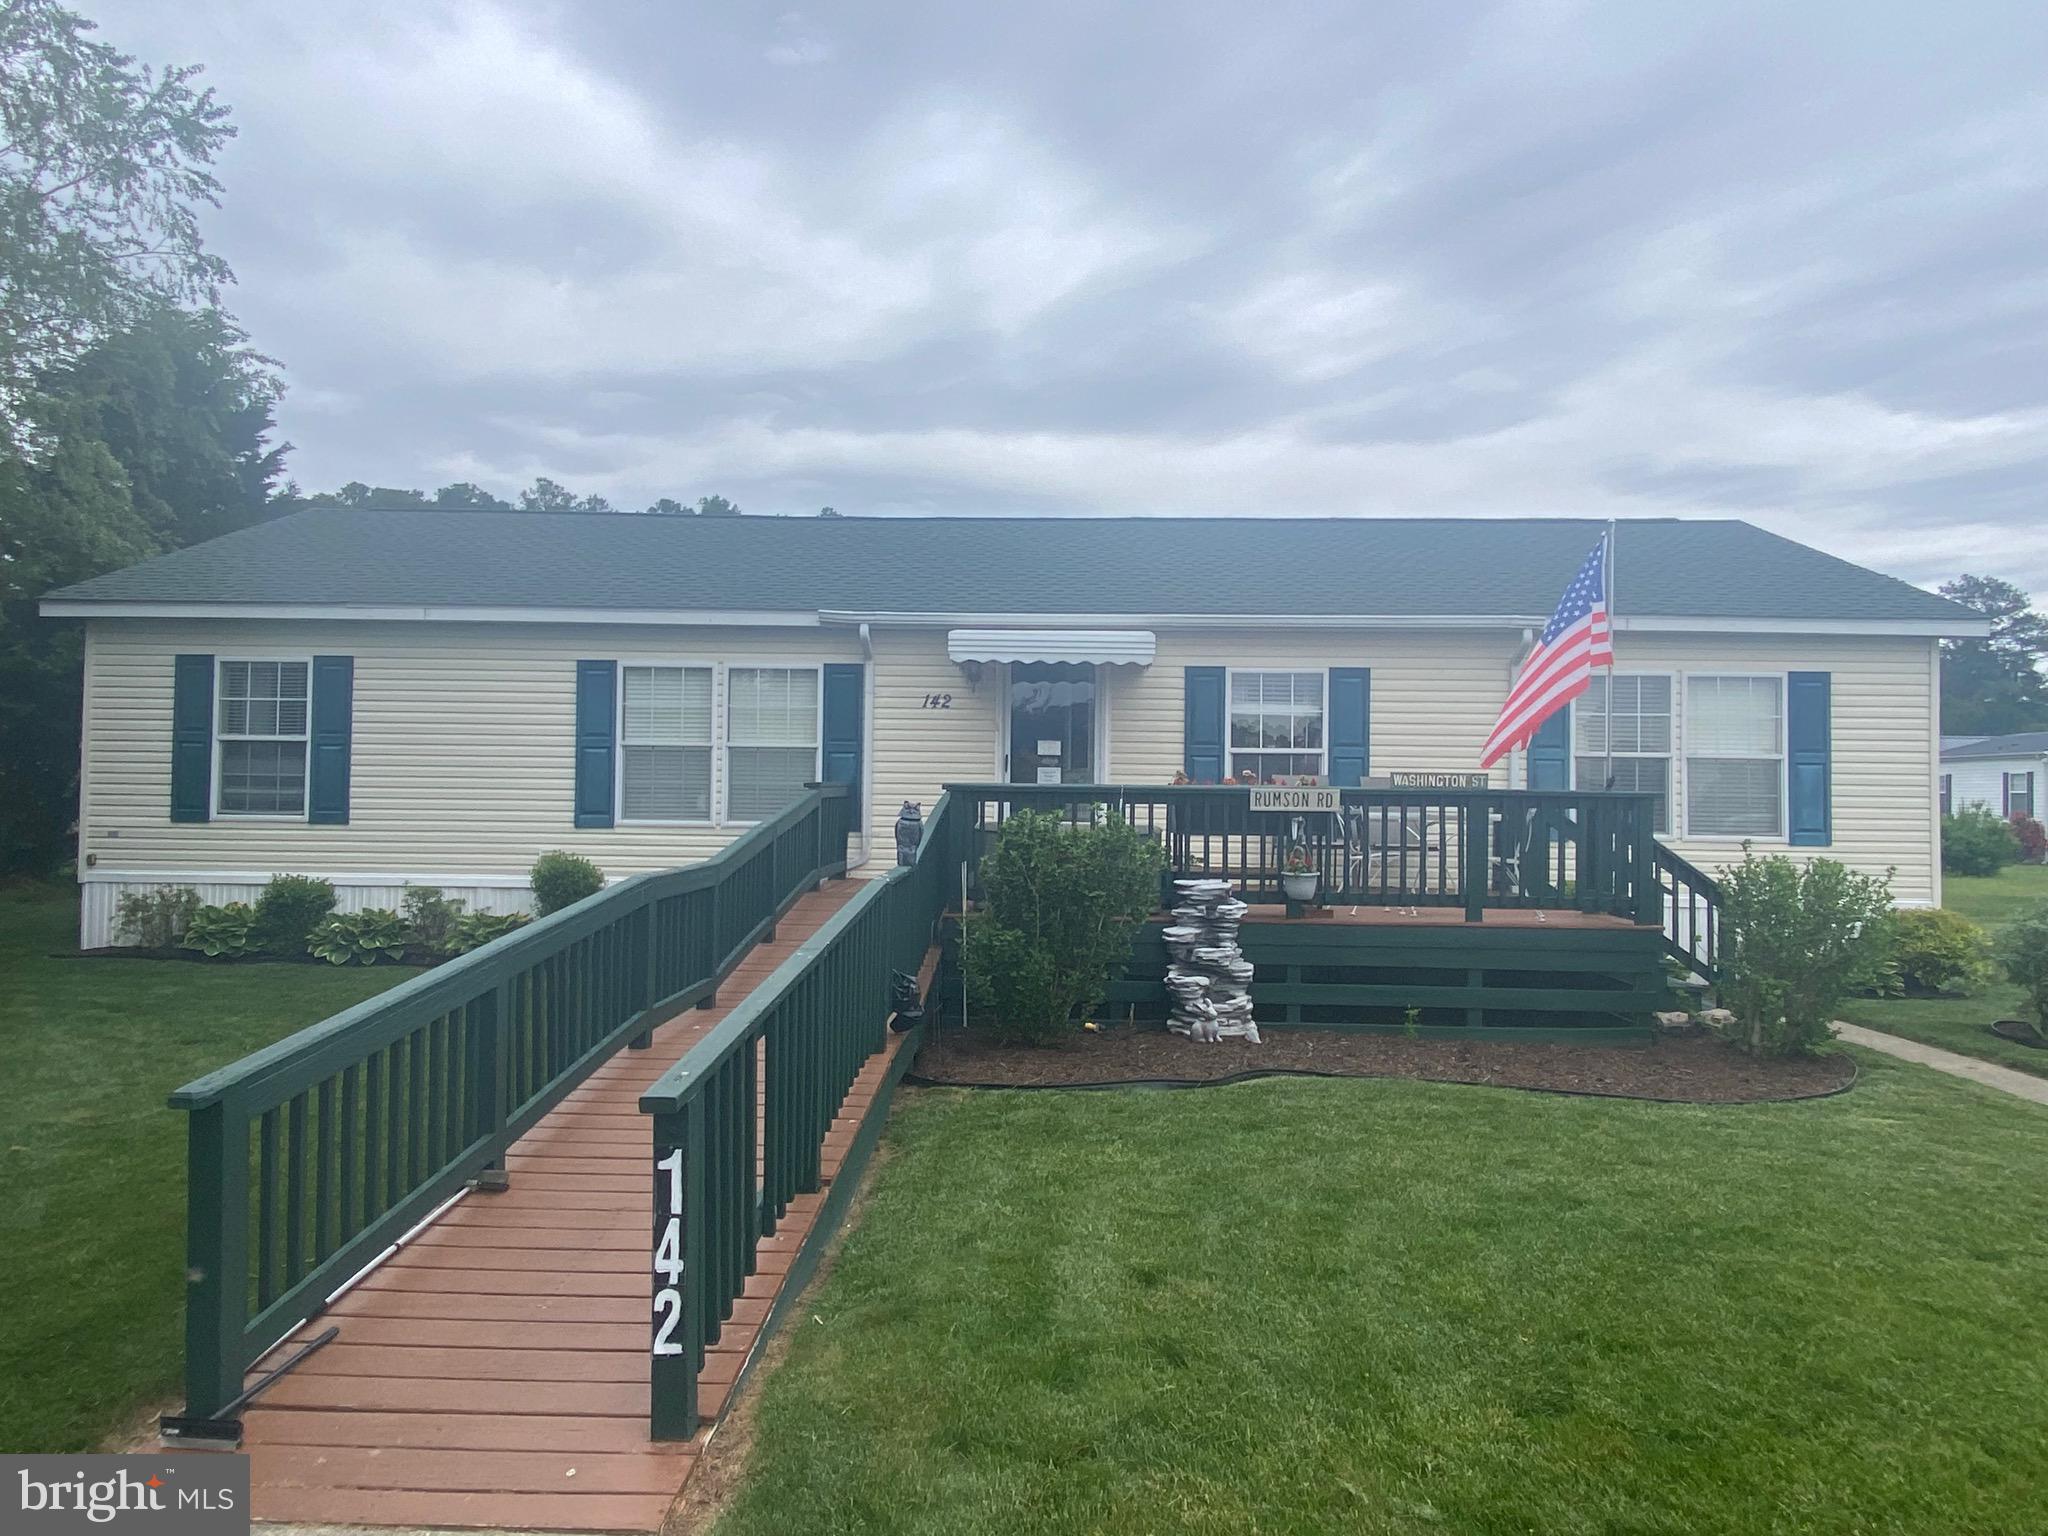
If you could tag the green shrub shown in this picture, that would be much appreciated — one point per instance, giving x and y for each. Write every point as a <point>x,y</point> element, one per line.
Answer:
<point>473,930</point>
<point>1796,939</point>
<point>288,911</point>
<point>1055,929</point>
<point>1939,951</point>
<point>360,938</point>
<point>2022,948</point>
<point>563,879</point>
<point>1977,841</point>
<point>430,916</point>
<point>222,932</point>
<point>156,919</point>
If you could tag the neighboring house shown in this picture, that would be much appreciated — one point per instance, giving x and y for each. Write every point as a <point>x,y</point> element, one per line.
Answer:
<point>2004,773</point>
<point>387,698</point>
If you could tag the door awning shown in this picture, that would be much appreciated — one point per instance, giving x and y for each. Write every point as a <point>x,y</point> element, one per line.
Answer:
<point>1108,647</point>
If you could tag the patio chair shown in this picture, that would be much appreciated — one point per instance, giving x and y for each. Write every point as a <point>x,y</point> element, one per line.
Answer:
<point>1370,840</point>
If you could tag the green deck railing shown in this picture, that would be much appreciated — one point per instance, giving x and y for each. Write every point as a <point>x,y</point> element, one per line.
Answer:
<point>1690,901</point>
<point>311,1157</point>
<point>1565,850</point>
<point>739,1123</point>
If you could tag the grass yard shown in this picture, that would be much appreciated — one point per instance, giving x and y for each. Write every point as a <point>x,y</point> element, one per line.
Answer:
<point>1995,899</point>
<point>92,1165</point>
<point>1392,1307</point>
<point>1960,1023</point>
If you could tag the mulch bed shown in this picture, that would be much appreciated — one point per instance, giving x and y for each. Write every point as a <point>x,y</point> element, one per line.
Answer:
<point>1685,1069</point>
<point>2019,1032</point>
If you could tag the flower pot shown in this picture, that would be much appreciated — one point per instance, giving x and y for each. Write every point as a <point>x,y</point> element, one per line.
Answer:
<point>1300,887</point>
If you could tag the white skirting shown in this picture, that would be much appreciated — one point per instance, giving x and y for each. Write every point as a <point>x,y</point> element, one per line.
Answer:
<point>100,896</point>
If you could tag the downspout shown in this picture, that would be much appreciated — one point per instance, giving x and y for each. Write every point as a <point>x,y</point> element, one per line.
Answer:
<point>867,748</point>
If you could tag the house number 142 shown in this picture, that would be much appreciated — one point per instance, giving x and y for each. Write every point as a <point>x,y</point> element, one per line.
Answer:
<point>937,701</point>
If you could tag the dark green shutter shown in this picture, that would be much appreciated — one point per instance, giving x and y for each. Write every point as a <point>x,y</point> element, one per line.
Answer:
<point>191,738</point>
<point>334,684</point>
<point>1350,725</point>
<point>1202,725</point>
<point>1550,765</point>
<point>1808,766</point>
<point>842,728</point>
<point>597,695</point>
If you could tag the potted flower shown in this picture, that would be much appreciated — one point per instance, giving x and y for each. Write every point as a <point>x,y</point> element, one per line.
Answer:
<point>1298,873</point>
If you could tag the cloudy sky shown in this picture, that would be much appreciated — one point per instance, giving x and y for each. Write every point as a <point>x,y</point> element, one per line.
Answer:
<point>1782,262</point>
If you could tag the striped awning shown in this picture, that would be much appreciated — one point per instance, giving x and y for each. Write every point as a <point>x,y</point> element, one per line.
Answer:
<point>1109,647</point>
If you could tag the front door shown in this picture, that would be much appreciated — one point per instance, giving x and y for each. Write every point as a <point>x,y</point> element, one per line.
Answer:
<point>1052,722</point>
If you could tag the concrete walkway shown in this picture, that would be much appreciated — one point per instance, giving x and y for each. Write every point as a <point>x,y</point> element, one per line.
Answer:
<point>2020,1085</point>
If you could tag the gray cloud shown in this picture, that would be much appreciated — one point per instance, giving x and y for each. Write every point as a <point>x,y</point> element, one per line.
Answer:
<point>1777,262</point>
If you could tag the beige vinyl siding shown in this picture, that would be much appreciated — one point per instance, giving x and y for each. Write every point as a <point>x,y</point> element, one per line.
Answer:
<point>463,765</point>
<point>462,750</point>
<point>917,751</point>
<point>1434,693</point>
<point>1883,716</point>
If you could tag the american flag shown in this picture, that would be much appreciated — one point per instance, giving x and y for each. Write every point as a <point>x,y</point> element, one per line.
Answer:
<point>1575,641</point>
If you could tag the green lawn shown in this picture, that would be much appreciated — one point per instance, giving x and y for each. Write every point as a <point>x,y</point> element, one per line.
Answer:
<point>1961,1023</point>
<point>1392,1307</point>
<point>92,1186</point>
<point>1995,899</point>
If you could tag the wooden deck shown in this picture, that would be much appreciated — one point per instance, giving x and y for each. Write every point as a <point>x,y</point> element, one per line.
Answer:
<point>1378,916</point>
<point>494,1371</point>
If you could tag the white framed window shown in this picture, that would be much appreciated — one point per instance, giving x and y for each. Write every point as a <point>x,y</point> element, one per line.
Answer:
<point>261,714</point>
<point>1639,718</point>
<point>771,738</point>
<point>1277,724</point>
<point>2019,794</point>
<point>1948,793</point>
<point>1734,756</point>
<point>665,717</point>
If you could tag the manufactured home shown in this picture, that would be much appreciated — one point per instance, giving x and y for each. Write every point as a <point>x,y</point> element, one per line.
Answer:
<point>394,698</point>
<point>1999,773</point>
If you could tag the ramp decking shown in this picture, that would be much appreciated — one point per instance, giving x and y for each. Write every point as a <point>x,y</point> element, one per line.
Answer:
<point>494,1371</point>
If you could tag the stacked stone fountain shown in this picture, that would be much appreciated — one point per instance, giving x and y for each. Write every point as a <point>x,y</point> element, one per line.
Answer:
<point>1209,977</point>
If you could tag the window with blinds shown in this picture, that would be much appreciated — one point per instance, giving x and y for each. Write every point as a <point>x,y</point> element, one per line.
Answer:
<point>665,744</point>
<point>1276,724</point>
<point>771,738</point>
<point>1734,757</point>
<point>261,729</point>
<point>1639,717</point>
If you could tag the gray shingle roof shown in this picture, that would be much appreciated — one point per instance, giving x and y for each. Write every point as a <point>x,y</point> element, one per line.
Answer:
<point>2023,744</point>
<point>1396,567</point>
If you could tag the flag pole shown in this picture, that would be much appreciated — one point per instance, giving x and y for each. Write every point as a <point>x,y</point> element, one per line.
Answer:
<point>1607,581</point>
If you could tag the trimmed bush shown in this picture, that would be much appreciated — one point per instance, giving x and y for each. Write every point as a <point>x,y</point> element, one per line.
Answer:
<point>360,938</point>
<point>1055,929</point>
<point>1977,841</point>
<point>288,911</point>
<point>430,916</point>
<point>1796,939</point>
<point>563,879</point>
<point>473,930</point>
<point>1939,951</point>
<point>2022,949</point>
<point>225,932</point>
<point>2032,838</point>
<point>156,919</point>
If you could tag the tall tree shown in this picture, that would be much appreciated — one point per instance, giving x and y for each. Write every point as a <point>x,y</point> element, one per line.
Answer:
<point>1995,686</point>
<point>153,439</point>
<point>470,498</point>
<point>716,506</point>
<point>104,164</point>
<point>546,495</point>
